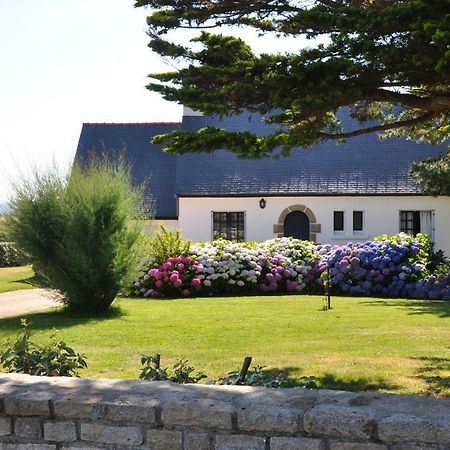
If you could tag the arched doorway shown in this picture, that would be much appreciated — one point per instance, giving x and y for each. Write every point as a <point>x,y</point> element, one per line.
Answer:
<point>296,225</point>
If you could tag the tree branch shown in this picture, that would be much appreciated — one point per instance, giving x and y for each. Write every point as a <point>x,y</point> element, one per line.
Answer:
<point>388,126</point>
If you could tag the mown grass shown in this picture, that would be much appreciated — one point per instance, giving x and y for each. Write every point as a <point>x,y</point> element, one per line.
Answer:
<point>361,344</point>
<point>14,278</point>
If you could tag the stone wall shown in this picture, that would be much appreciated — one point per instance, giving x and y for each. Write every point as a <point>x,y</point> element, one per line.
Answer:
<point>39,413</point>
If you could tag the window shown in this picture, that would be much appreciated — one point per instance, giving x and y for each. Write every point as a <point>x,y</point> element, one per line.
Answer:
<point>229,225</point>
<point>414,222</point>
<point>410,222</point>
<point>358,220</point>
<point>338,221</point>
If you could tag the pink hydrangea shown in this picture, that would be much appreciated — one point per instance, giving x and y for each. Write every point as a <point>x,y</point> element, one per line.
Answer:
<point>291,285</point>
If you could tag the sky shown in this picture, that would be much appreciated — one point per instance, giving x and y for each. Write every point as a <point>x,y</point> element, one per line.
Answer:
<point>65,62</point>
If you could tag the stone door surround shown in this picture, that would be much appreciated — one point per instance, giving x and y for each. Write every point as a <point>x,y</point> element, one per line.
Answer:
<point>314,227</point>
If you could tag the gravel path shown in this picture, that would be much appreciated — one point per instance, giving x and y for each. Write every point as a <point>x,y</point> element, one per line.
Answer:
<point>20,302</point>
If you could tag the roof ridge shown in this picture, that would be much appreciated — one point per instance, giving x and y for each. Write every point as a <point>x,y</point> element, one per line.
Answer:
<point>131,123</point>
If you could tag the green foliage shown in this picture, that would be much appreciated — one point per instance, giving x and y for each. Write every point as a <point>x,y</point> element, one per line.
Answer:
<point>184,373</point>
<point>151,368</point>
<point>10,256</point>
<point>165,244</point>
<point>256,376</point>
<point>56,359</point>
<point>259,376</point>
<point>181,372</point>
<point>386,61</point>
<point>309,382</point>
<point>433,174</point>
<point>79,231</point>
<point>422,256</point>
<point>434,260</point>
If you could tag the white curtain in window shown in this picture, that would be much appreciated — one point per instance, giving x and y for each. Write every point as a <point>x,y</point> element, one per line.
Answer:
<point>426,226</point>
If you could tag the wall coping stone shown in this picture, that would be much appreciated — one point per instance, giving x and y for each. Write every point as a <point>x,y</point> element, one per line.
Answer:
<point>130,412</point>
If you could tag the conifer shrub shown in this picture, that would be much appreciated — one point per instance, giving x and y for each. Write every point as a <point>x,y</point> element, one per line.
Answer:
<point>79,231</point>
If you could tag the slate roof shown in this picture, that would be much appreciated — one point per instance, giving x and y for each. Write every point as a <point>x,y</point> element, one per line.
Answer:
<point>365,165</point>
<point>150,165</point>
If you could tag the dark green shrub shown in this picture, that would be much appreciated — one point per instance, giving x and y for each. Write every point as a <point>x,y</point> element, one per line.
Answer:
<point>80,231</point>
<point>181,372</point>
<point>55,359</point>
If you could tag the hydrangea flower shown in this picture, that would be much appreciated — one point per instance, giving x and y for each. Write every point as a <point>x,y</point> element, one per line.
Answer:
<point>394,266</point>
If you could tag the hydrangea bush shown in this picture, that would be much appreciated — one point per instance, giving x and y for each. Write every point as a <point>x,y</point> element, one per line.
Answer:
<point>390,266</point>
<point>221,267</point>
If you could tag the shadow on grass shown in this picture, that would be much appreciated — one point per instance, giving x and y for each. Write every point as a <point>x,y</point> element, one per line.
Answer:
<point>440,308</point>
<point>59,319</point>
<point>436,374</point>
<point>224,295</point>
<point>331,381</point>
<point>35,280</point>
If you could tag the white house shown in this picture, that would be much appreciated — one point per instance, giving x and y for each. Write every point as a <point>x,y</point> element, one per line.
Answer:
<point>330,193</point>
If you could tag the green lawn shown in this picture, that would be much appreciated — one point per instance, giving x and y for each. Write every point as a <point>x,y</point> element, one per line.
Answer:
<point>14,278</point>
<point>361,344</point>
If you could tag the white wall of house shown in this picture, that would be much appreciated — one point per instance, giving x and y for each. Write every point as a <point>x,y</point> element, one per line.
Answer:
<point>381,215</point>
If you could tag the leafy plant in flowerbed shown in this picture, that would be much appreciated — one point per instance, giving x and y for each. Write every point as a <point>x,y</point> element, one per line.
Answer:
<point>256,376</point>
<point>167,243</point>
<point>54,359</point>
<point>181,372</point>
<point>259,376</point>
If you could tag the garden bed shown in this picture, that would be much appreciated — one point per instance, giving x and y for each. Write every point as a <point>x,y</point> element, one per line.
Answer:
<point>390,266</point>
